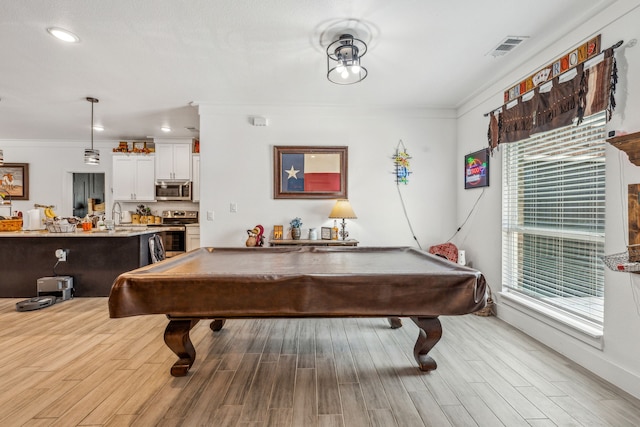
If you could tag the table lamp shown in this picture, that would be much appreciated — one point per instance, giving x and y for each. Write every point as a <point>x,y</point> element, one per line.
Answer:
<point>342,209</point>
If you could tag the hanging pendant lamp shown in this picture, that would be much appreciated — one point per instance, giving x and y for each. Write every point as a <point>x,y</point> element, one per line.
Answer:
<point>92,156</point>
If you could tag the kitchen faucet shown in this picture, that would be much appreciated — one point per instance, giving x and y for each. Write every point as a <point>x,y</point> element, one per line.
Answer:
<point>119,212</point>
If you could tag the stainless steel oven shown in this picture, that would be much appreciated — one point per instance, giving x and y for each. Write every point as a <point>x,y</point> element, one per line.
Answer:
<point>175,230</point>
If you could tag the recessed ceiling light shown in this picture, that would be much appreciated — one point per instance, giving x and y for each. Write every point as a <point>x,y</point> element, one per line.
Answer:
<point>64,35</point>
<point>165,129</point>
<point>99,128</point>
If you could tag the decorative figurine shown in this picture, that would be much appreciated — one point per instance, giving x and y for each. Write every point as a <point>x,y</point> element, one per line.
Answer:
<point>256,236</point>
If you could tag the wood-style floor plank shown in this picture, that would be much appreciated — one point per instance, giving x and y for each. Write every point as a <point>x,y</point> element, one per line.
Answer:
<point>305,410</point>
<point>239,387</point>
<point>307,344</point>
<point>70,365</point>
<point>257,401</point>
<point>279,417</point>
<point>368,377</point>
<point>345,369</point>
<point>284,382</point>
<point>353,405</point>
<point>382,418</point>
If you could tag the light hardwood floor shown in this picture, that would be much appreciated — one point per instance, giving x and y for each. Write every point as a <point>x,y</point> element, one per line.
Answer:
<point>70,364</point>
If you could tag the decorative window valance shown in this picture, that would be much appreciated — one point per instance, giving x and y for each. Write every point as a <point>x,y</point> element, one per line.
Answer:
<point>591,90</point>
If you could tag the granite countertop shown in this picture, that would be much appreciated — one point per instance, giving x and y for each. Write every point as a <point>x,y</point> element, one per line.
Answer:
<point>120,231</point>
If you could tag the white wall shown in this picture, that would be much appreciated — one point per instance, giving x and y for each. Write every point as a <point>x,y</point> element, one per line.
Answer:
<point>51,168</point>
<point>618,360</point>
<point>237,167</point>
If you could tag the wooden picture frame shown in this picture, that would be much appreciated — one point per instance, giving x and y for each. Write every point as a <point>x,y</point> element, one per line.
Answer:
<point>15,180</point>
<point>325,233</point>
<point>310,172</point>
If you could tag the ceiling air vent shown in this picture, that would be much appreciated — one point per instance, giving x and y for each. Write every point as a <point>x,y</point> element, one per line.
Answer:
<point>507,45</point>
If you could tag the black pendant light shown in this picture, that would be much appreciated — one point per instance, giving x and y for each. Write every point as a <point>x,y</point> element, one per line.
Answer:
<point>343,60</point>
<point>91,155</point>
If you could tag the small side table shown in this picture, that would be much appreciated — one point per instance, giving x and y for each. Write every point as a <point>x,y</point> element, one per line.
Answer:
<point>306,242</point>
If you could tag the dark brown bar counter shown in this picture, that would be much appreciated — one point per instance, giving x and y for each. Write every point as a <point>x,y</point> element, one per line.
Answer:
<point>94,259</point>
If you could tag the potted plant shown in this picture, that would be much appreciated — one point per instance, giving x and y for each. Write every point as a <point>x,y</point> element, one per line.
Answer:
<point>144,212</point>
<point>295,224</point>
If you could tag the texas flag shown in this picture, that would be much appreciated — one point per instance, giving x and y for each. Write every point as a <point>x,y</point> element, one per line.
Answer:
<point>311,172</point>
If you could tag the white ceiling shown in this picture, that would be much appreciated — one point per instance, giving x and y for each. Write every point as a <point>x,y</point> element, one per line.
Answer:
<point>148,60</point>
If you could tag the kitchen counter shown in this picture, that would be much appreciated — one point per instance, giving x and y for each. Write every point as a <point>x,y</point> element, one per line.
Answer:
<point>118,232</point>
<point>94,258</point>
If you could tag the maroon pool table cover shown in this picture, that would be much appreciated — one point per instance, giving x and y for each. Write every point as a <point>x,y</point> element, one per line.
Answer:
<point>299,282</point>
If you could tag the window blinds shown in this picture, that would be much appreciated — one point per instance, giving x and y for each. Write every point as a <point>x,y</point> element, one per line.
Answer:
<point>553,213</point>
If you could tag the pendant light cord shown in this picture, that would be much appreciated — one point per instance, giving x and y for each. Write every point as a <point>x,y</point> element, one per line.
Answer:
<point>404,208</point>
<point>92,102</point>
<point>406,215</point>
<point>468,216</point>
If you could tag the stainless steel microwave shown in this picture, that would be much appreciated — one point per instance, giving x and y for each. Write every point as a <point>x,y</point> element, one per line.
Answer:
<point>172,190</point>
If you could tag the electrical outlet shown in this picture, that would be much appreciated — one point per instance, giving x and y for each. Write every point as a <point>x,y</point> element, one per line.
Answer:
<point>61,254</point>
<point>210,215</point>
<point>233,207</point>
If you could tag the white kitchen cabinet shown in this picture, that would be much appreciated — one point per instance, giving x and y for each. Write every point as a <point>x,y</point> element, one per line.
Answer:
<point>195,181</point>
<point>193,238</point>
<point>133,177</point>
<point>173,161</point>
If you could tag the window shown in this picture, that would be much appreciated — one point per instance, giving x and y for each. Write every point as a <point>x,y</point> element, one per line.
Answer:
<point>553,213</point>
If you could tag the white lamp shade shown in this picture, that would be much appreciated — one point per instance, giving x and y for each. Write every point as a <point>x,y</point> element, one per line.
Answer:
<point>91,156</point>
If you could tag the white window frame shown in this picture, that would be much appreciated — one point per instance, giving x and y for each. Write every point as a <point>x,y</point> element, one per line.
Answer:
<point>532,271</point>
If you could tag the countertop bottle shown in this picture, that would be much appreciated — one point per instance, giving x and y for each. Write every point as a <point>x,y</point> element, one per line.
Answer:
<point>334,230</point>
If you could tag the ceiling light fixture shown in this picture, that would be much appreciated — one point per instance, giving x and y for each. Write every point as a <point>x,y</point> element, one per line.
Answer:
<point>343,60</point>
<point>92,156</point>
<point>98,128</point>
<point>64,35</point>
<point>165,129</point>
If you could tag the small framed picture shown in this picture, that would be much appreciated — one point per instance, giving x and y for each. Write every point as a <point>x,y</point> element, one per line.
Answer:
<point>15,180</point>
<point>325,233</point>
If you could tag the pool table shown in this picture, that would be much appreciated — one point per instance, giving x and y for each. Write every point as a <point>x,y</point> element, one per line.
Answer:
<point>281,282</point>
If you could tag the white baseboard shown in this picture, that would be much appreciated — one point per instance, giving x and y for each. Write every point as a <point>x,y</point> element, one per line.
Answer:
<point>570,346</point>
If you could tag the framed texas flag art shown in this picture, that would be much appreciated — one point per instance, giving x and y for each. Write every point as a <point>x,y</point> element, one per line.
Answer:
<point>303,172</point>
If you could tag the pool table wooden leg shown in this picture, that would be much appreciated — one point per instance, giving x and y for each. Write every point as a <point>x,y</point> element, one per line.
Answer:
<point>176,336</point>
<point>430,334</point>
<point>395,322</point>
<point>217,324</point>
